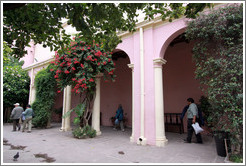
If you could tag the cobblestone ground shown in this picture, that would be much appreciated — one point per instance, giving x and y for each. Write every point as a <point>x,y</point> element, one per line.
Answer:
<point>43,146</point>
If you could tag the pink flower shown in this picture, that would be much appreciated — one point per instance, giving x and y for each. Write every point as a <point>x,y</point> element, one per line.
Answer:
<point>82,65</point>
<point>111,72</point>
<point>67,72</point>
<point>109,60</point>
<point>73,68</point>
<point>104,63</point>
<point>51,69</point>
<point>98,63</point>
<point>98,53</point>
<point>76,62</point>
<point>91,80</point>
<point>58,91</point>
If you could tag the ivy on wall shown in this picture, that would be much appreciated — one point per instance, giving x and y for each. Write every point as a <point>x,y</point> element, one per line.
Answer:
<point>45,85</point>
<point>218,53</point>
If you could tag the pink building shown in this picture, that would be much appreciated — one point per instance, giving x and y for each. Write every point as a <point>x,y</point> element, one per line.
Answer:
<point>155,75</point>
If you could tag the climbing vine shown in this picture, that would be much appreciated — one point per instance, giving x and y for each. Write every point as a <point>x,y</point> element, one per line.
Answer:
<point>218,53</point>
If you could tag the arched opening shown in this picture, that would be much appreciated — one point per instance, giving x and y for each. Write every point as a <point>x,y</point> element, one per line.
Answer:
<point>117,92</point>
<point>179,81</point>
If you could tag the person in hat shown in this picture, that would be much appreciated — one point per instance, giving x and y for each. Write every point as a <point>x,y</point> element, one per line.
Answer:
<point>16,115</point>
<point>28,118</point>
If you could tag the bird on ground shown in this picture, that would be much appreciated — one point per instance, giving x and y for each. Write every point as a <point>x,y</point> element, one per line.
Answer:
<point>16,156</point>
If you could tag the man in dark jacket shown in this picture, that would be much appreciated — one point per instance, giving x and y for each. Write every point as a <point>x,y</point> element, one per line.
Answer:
<point>16,115</point>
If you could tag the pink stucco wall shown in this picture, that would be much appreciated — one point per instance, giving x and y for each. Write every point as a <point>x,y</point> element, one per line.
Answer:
<point>29,57</point>
<point>163,36</point>
<point>149,88</point>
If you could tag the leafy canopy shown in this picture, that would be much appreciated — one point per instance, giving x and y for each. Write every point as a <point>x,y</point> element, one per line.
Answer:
<point>41,22</point>
<point>15,80</point>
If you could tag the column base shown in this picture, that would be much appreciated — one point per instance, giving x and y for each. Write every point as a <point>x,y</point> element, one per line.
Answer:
<point>160,142</point>
<point>142,141</point>
<point>99,133</point>
<point>65,129</point>
<point>132,139</point>
<point>61,129</point>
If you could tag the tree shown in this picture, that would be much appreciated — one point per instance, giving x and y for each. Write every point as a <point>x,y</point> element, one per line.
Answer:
<point>78,65</point>
<point>15,80</point>
<point>41,22</point>
<point>218,53</point>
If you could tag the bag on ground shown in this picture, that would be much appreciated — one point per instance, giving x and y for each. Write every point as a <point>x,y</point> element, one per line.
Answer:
<point>197,128</point>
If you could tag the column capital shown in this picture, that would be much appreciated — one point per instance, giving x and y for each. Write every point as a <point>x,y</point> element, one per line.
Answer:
<point>131,66</point>
<point>99,75</point>
<point>159,61</point>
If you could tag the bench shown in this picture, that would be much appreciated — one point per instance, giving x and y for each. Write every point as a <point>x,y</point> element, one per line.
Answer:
<point>173,119</point>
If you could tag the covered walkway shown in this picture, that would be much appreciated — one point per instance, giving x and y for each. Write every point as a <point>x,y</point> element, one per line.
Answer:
<point>110,147</point>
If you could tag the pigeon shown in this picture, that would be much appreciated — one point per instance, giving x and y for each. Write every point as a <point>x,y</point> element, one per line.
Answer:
<point>16,156</point>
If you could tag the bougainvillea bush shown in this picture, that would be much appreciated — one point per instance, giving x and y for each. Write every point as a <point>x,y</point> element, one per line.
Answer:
<point>78,65</point>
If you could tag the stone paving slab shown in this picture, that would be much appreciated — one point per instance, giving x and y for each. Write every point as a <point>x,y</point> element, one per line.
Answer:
<point>110,147</point>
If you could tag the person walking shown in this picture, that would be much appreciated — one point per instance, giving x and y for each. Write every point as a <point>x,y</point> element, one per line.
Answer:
<point>28,118</point>
<point>192,117</point>
<point>16,115</point>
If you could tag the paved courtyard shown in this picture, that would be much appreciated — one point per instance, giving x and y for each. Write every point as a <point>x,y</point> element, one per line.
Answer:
<point>46,146</point>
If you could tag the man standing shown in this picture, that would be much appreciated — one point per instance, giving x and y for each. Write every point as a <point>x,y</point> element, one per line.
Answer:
<point>192,117</point>
<point>16,115</point>
<point>28,118</point>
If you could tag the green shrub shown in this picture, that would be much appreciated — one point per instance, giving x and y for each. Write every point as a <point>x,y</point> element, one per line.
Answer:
<point>236,158</point>
<point>84,132</point>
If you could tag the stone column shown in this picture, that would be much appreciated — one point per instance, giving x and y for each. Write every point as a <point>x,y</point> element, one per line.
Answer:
<point>32,93</point>
<point>159,103</point>
<point>131,66</point>
<point>66,107</point>
<point>96,107</point>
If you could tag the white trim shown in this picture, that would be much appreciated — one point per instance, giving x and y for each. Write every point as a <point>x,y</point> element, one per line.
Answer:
<point>131,66</point>
<point>39,64</point>
<point>143,142</point>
